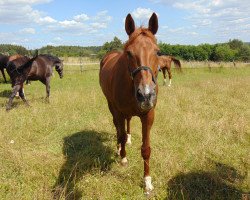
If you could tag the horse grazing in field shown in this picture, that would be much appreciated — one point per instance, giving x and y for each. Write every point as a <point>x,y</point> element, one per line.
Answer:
<point>38,68</point>
<point>3,63</point>
<point>165,65</point>
<point>128,81</point>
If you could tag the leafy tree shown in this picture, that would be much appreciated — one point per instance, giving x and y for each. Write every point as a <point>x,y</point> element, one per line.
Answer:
<point>115,44</point>
<point>244,53</point>
<point>224,53</point>
<point>235,44</point>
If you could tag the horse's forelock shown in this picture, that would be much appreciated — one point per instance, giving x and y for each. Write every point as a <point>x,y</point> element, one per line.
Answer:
<point>138,32</point>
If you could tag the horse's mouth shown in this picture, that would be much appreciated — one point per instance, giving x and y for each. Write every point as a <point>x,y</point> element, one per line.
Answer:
<point>146,106</point>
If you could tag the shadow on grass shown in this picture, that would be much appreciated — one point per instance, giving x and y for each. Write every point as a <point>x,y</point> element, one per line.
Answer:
<point>84,153</point>
<point>218,184</point>
<point>5,93</point>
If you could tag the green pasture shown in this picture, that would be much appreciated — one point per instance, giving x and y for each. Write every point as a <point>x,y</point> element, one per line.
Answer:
<point>200,140</point>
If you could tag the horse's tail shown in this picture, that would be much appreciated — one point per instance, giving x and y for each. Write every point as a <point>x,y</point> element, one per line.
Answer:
<point>29,63</point>
<point>177,62</point>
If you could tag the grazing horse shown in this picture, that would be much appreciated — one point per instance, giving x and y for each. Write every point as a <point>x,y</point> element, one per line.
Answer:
<point>165,64</point>
<point>38,68</point>
<point>3,63</point>
<point>128,81</point>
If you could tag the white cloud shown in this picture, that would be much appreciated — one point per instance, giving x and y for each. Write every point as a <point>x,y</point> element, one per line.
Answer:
<point>46,20</point>
<point>142,13</point>
<point>27,31</point>
<point>81,18</point>
<point>21,12</point>
<point>221,19</point>
<point>24,2</point>
<point>82,24</point>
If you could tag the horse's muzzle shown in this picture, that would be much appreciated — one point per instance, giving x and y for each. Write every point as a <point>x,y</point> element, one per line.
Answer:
<point>146,98</point>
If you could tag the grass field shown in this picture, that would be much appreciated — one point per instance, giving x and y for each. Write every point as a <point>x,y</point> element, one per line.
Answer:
<point>66,149</point>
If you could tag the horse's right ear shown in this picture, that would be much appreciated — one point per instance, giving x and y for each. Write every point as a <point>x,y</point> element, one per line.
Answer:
<point>129,24</point>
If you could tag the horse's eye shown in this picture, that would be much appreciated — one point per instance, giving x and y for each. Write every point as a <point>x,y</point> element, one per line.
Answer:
<point>158,53</point>
<point>129,54</point>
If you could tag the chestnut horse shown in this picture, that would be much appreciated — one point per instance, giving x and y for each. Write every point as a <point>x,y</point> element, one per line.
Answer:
<point>128,81</point>
<point>165,65</point>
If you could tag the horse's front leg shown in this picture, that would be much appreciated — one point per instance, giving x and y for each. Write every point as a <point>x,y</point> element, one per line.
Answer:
<point>15,89</point>
<point>128,131</point>
<point>147,122</point>
<point>22,95</point>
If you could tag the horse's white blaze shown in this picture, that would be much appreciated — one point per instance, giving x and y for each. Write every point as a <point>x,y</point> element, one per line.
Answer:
<point>129,139</point>
<point>124,160</point>
<point>148,184</point>
<point>147,89</point>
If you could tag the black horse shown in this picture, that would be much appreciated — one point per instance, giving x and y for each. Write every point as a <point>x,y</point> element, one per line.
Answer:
<point>38,68</point>
<point>3,63</point>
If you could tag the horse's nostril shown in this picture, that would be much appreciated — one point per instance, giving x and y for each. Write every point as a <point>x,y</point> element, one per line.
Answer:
<point>139,95</point>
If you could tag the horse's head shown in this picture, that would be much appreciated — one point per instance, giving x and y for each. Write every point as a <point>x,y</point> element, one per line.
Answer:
<point>59,68</point>
<point>141,50</point>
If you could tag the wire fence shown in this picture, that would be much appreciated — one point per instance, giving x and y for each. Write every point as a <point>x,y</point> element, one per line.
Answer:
<point>82,66</point>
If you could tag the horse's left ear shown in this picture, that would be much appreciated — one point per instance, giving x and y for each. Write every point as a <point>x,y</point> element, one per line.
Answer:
<point>153,23</point>
<point>129,24</point>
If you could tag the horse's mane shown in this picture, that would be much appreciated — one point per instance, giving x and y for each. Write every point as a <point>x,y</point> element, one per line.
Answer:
<point>136,33</point>
<point>51,58</point>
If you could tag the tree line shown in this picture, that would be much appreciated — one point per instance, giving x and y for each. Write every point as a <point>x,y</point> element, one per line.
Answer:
<point>233,50</point>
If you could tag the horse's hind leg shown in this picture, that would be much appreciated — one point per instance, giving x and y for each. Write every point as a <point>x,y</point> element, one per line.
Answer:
<point>169,76</point>
<point>2,70</point>
<point>15,89</point>
<point>128,131</point>
<point>164,76</point>
<point>47,83</point>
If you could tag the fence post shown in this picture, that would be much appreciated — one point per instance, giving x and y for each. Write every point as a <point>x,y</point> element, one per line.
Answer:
<point>81,64</point>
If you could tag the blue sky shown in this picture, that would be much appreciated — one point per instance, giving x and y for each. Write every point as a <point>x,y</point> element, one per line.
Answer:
<point>37,23</point>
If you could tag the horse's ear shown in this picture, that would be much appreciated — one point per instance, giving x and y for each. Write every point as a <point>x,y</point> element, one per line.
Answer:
<point>129,24</point>
<point>153,23</point>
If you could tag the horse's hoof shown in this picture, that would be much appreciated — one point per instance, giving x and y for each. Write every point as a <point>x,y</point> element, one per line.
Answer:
<point>124,161</point>
<point>169,85</point>
<point>8,109</point>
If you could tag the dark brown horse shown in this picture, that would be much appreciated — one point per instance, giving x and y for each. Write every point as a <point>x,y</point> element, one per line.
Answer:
<point>41,68</point>
<point>165,65</point>
<point>128,81</point>
<point>3,63</point>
